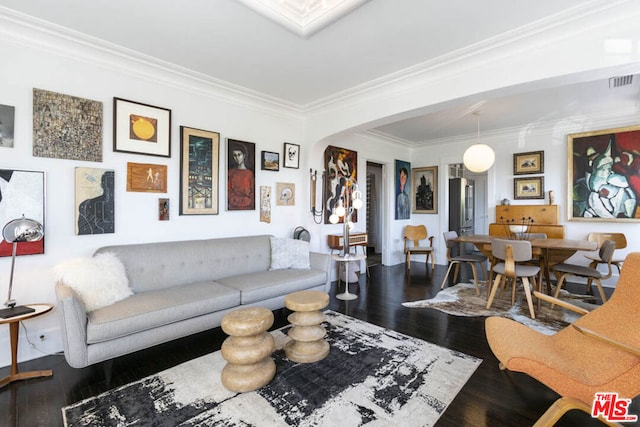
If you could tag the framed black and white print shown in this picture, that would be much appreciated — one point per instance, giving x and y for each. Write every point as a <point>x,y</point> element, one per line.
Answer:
<point>141,128</point>
<point>291,155</point>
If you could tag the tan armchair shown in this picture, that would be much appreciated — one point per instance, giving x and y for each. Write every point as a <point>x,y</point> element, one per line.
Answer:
<point>416,233</point>
<point>600,352</point>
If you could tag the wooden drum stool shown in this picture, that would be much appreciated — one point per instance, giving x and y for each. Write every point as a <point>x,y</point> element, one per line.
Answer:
<point>307,343</point>
<point>247,349</point>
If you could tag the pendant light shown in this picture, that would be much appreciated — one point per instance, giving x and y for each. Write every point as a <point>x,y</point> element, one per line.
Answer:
<point>479,157</point>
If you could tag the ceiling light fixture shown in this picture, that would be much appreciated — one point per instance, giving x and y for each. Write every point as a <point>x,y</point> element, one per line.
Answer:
<point>479,157</point>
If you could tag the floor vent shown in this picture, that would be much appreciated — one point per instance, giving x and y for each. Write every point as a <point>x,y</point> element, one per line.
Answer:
<point>620,81</point>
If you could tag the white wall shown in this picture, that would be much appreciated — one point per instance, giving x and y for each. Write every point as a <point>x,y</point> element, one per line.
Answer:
<point>26,66</point>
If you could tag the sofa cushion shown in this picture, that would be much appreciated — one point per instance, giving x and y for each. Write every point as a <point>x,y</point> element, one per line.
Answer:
<point>255,287</point>
<point>152,309</point>
<point>99,281</point>
<point>289,253</point>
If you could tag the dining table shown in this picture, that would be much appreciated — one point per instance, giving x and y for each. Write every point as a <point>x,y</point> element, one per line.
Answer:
<point>549,251</point>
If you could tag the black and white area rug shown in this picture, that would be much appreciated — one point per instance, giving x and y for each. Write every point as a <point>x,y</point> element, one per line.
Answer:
<point>461,300</point>
<point>372,376</point>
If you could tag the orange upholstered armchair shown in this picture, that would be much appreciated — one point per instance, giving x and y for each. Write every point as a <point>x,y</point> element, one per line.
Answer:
<point>600,352</point>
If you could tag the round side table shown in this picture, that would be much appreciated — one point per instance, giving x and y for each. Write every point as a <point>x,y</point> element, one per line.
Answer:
<point>346,296</point>
<point>14,323</point>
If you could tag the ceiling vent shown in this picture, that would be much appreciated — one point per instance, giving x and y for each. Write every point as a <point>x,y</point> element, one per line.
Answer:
<point>620,81</point>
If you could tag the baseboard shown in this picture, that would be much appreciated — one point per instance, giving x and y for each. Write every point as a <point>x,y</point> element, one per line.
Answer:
<point>38,343</point>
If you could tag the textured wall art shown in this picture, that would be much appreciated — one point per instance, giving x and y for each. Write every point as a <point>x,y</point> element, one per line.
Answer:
<point>265,204</point>
<point>7,119</point>
<point>94,199</point>
<point>66,127</point>
<point>21,193</point>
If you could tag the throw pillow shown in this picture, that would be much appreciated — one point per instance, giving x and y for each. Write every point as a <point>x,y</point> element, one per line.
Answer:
<point>289,253</point>
<point>99,281</point>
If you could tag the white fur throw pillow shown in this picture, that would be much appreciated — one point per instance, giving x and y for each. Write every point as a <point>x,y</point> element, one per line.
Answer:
<point>99,281</point>
<point>289,253</point>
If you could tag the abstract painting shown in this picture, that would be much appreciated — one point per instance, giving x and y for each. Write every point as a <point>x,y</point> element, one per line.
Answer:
<point>7,120</point>
<point>199,156</point>
<point>66,127</point>
<point>342,175</point>
<point>94,201</point>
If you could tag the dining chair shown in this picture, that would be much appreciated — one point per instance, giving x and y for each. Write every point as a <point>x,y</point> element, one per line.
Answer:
<point>415,234</point>
<point>619,239</point>
<point>592,274</point>
<point>576,362</point>
<point>509,253</point>
<point>471,259</point>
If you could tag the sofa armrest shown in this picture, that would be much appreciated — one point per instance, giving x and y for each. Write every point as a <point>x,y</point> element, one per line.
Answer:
<point>321,261</point>
<point>73,324</point>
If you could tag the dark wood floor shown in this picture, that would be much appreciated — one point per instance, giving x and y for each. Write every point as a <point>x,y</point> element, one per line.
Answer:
<point>490,398</point>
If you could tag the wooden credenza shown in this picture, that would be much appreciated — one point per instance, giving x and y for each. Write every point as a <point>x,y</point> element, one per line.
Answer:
<point>546,220</point>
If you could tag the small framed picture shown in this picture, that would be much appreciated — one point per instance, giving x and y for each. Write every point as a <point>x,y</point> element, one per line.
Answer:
<point>528,163</point>
<point>270,161</point>
<point>163,209</point>
<point>141,128</point>
<point>146,178</point>
<point>286,194</point>
<point>291,155</point>
<point>528,188</point>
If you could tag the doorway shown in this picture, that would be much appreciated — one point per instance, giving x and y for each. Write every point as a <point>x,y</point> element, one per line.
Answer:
<point>374,213</point>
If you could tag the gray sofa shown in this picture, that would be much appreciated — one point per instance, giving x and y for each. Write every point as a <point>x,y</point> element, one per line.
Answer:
<point>180,288</point>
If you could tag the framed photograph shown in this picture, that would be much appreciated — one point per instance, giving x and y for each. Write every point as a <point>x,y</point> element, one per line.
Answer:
<point>286,193</point>
<point>270,161</point>
<point>94,200</point>
<point>403,185</point>
<point>22,193</point>
<point>291,155</point>
<point>199,178</point>
<point>604,175</point>
<point>7,120</point>
<point>141,128</point>
<point>241,167</point>
<point>146,178</point>
<point>528,163</point>
<point>425,190</point>
<point>528,188</point>
<point>66,127</point>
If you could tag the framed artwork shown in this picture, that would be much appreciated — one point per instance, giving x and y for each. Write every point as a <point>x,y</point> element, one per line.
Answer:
<point>291,155</point>
<point>199,158</point>
<point>528,163</point>
<point>146,178</point>
<point>528,188</point>
<point>7,122</point>
<point>270,161</point>
<point>66,127</point>
<point>286,192</point>
<point>604,175</point>
<point>141,128</point>
<point>403,185</point>
<point>342,174</point>
<point>241,184</point>
<point>163,209</point>
<point>425,190</point>
<point>94,201</point>
<point>21,193</point>
<point>265,203</point>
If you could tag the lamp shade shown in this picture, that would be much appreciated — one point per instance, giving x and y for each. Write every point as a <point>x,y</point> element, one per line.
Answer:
<point>478,158</point>
<point>22,230</point>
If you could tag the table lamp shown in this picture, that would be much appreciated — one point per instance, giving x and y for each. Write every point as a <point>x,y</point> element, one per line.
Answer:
<point>16,231</point>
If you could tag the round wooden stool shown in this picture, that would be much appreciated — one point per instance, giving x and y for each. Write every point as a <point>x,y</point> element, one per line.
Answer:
<point>307,343</point>
<point>247,349</point>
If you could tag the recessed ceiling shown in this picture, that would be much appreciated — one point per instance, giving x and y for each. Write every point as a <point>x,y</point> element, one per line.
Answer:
<point>303,17</point>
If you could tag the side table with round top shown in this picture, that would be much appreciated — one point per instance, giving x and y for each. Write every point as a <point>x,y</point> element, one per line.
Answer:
<point>307,343</point>
<point>14,323</point>
<point>247,349</point>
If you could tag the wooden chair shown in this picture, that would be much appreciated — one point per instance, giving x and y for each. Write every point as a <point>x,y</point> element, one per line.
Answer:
<point>618,238</point>
<point>590,273</point>
<point>470,259</point>
<point>416,233</point>
<point>511,252</point>
<point>598,352</point>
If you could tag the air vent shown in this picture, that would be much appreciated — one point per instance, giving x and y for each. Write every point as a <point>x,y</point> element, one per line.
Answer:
<point>620,81</point>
